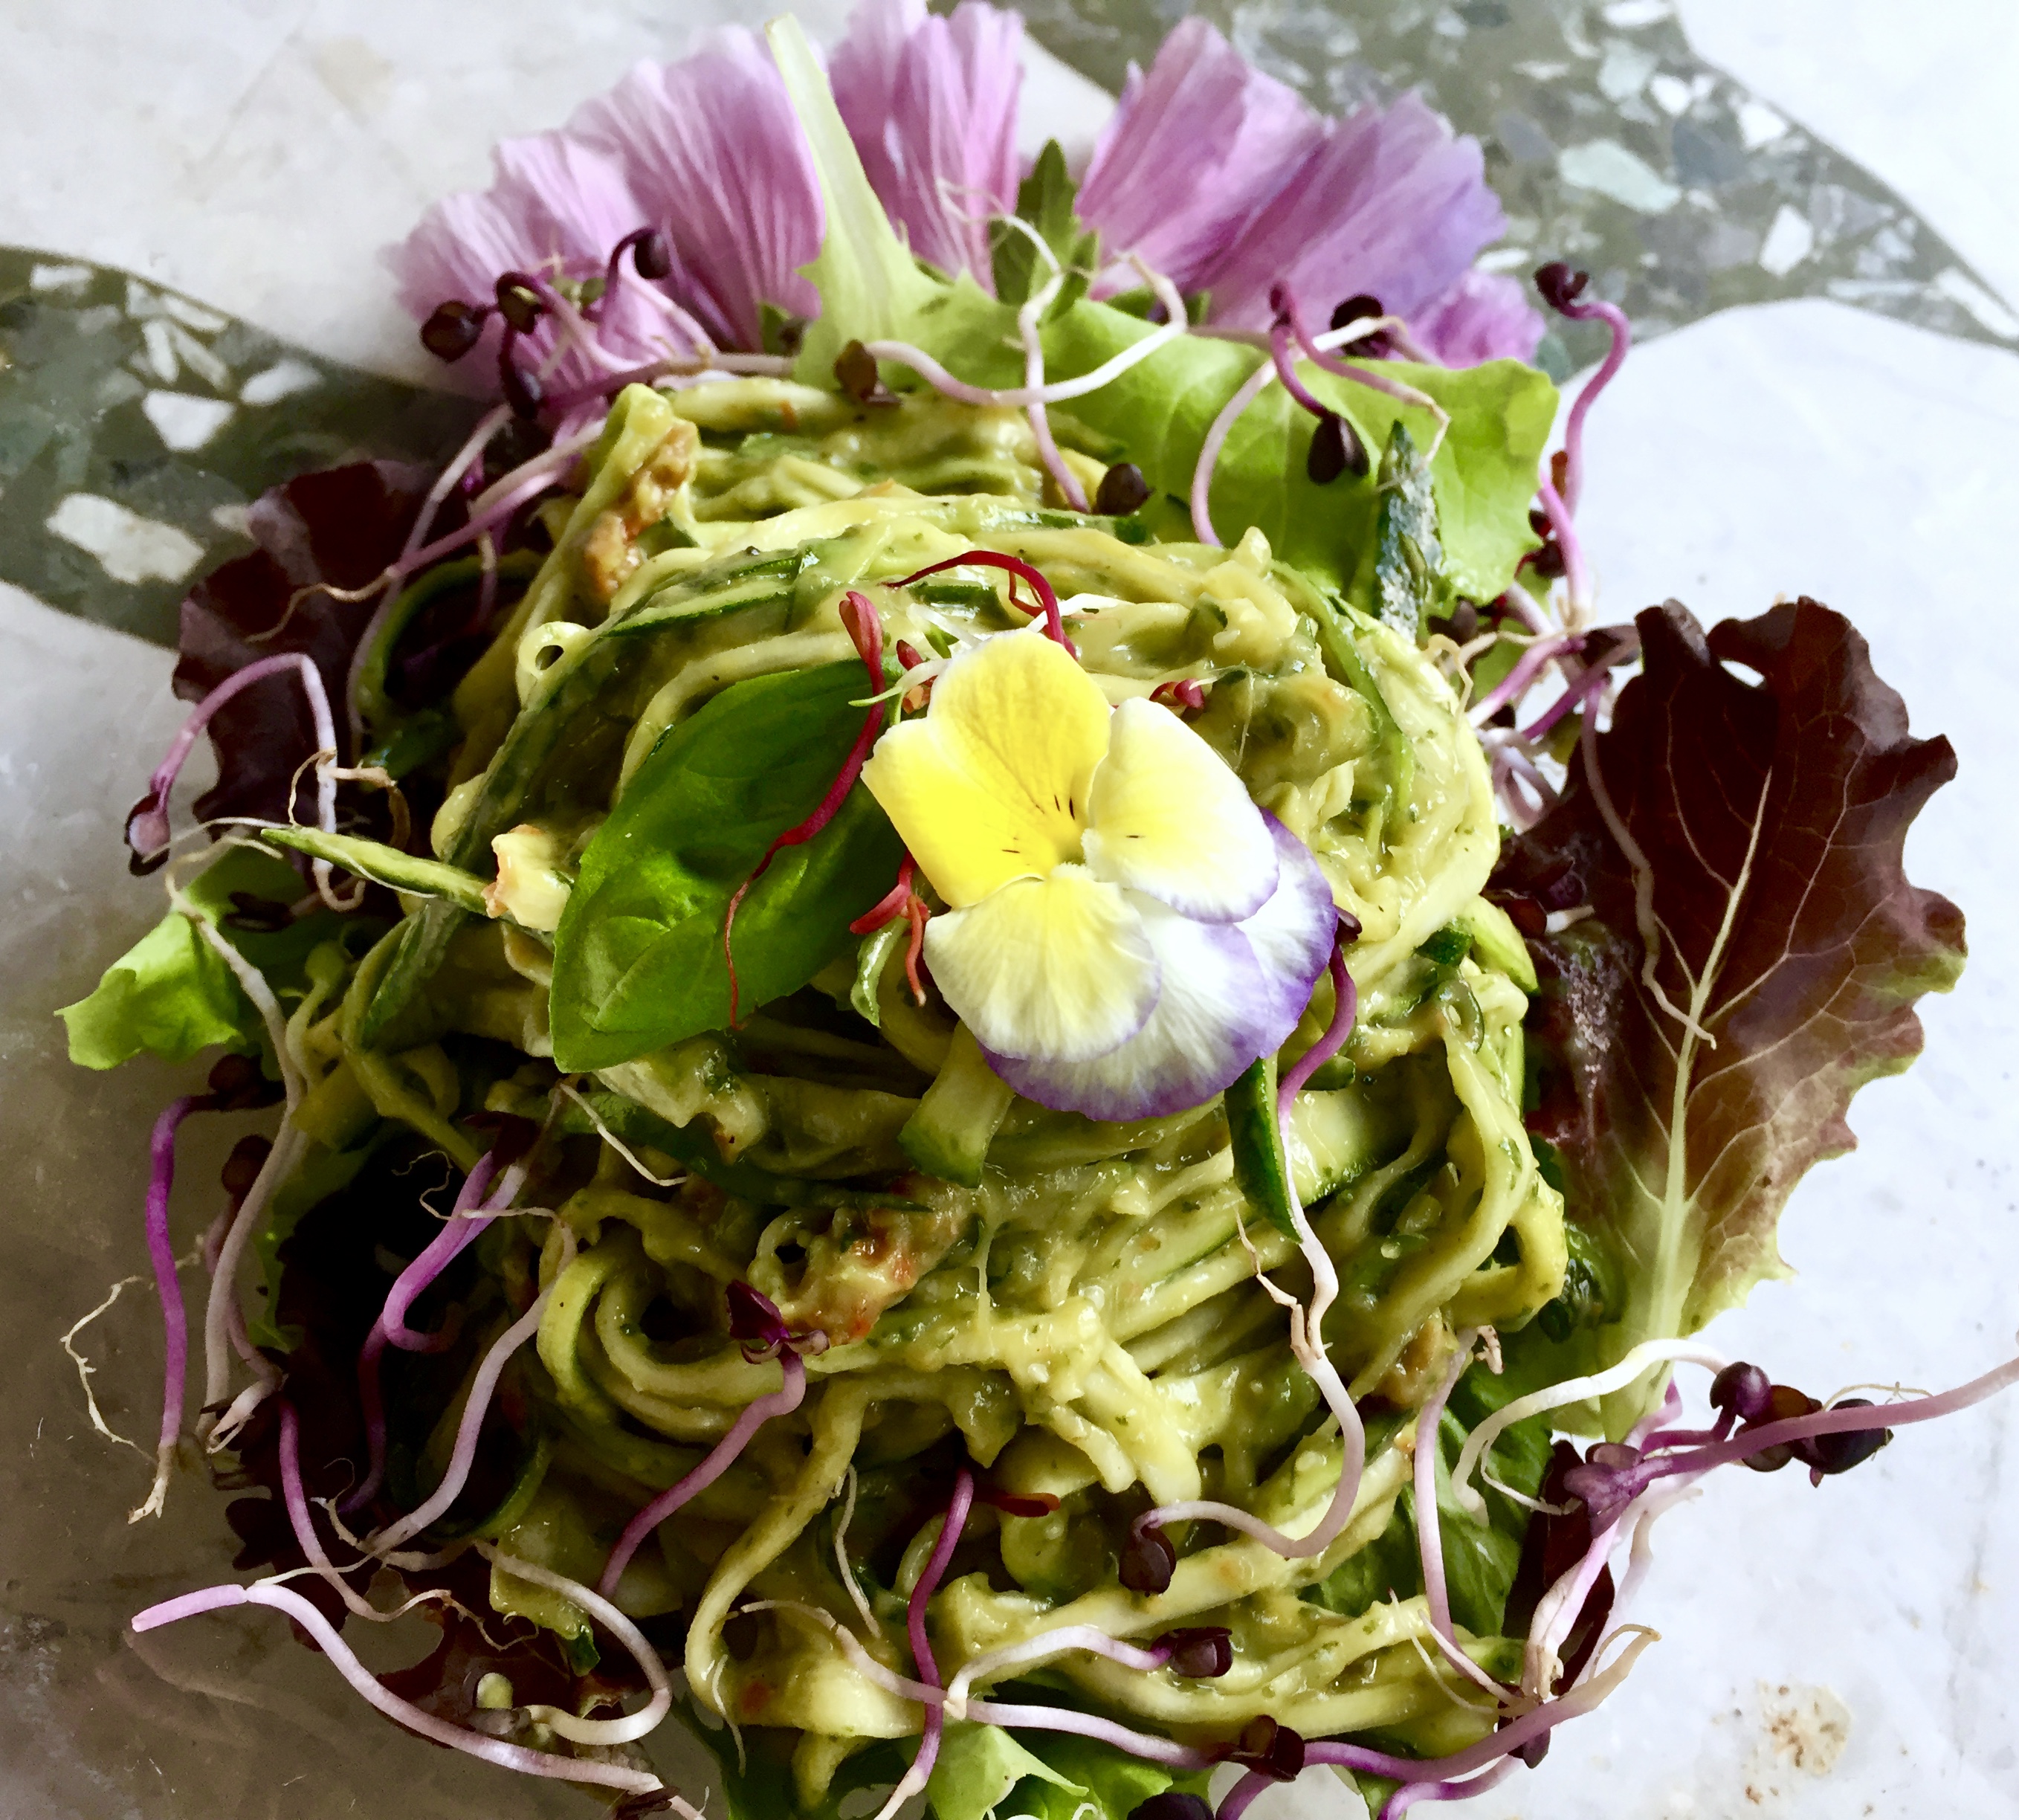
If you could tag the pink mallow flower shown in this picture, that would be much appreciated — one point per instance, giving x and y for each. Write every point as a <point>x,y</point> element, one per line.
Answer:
<point>1193,153</point>
<point>711,147</point>
<point>1485,315</point>
<point>1223,178</point>
<point>931,104</point>
<point>555,209</point>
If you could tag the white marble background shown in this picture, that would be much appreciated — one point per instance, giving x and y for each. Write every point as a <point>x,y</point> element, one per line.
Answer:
<point>1827,1654</point>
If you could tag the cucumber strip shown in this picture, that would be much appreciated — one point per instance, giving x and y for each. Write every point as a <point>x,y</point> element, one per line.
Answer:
<point>764,591</point>
<point>1260,1168</point>
<point>565,689</point>
<point>374,709</point>
<point>1498,942</point>
<point>384,865</point>
<point>949,1135</point>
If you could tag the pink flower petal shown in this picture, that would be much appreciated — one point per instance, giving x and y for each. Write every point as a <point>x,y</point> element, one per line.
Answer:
<point>1485,315</point>
<point>1392,203</point>
<point>1193,153</point>
<point>931,104</point>
<point>555,207</point>
<point>712,149</point>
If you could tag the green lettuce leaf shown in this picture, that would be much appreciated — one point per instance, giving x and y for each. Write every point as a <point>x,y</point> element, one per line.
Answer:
<point>869,284</point>
<point>1079,1771</point>
<point>1484,472</point>
<point>1685,1098</point>
<point>638,962</point>
<point>172,993</point>
<point>977,1765</point>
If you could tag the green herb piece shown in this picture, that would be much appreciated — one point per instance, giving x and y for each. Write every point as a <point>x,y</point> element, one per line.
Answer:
<point>1045,200</point>
<point>638,960</point>
<point>1408,556</point>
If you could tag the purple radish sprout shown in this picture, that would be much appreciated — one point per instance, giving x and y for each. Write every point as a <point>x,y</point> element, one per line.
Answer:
<point>1202,1653</point>
<point>1577,575</point>
<point>1529,665</point>
<point>1332,1039</point>
<point>1430,1537</point>
<point>1454,1789</point>
<point>1635,1364</point>
<point>1581,691</point>
<point>1522,1731</point>
<point>1145,1745</point>
<point>514,1756</point>
<point>1215,439</point>
<point>168,1286</point>
<point>1316,347</point>
<point>1306,1335</point>
<point>1286,371</point>
<point>952,1528</point>
<point>466,1221</point>
<point>466,460</point>
<point>859,1658</point>
<point>1563,290</point>
<point>1853,1417</point>
<point>602,1732</point>
<point>1320,350</point>
<point>1020,397</point>
<point>147,827</point>
<point>1522,604</point>
<point>767,366</point>
<point>482,1387</point>
<point>754,1319</point>
<point>295,1498</point>
<point>1028,331</point>
<point>1055,629</point>
<point>288,1148</point>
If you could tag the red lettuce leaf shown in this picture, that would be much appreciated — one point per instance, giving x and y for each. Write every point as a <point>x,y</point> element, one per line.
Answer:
<point>1786,938</point>
<point>341,526</point>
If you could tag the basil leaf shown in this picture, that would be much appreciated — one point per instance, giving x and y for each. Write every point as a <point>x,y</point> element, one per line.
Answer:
<point>638,960</point>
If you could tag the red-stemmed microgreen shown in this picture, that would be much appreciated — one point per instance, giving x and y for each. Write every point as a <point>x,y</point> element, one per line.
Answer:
<point>1047,598</point>
<point>903,899</point>
<point>865,631</point>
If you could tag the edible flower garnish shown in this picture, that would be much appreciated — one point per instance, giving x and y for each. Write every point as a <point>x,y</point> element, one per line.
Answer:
<point>1125,931</point>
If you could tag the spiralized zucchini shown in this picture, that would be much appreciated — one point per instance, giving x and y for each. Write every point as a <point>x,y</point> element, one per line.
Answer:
<point>1086,1325</point>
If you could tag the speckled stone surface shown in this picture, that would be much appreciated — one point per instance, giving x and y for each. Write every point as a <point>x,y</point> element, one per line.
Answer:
<point>1826,1654</point>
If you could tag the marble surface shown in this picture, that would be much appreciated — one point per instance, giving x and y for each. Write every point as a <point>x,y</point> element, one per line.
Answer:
<point>1827,1653</point>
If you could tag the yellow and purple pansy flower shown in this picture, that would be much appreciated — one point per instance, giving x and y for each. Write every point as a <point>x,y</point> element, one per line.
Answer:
<point>1124,931</point>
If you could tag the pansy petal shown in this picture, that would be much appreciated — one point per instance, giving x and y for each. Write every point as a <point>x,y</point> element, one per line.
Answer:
<point>1292,935</point>
<point>1205,1028</point>
<point>1058,967</point>
<point>992,784</point>
<point>1166,816</point>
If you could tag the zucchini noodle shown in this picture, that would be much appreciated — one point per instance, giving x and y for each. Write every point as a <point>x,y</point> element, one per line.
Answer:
<point>1083,1329</point>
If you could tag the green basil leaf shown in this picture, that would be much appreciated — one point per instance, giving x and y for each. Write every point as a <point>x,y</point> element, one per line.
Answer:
<point>638,962</point>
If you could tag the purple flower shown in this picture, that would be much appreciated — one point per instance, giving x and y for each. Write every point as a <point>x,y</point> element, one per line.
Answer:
<point>1193,152</point>
<point>1391,204</point>
<point>1485,315</point>
<point>710,148</point>
<point>555,208</point>
<point>1221,177</point>
<point>931,104</point>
